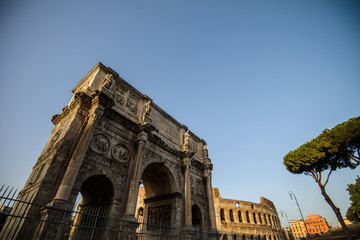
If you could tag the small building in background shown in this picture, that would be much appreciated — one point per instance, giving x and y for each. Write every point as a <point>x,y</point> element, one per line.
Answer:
<point>347,222</point>
<point>288,233</point>
<point>298,229</point>
<point>316,225</point>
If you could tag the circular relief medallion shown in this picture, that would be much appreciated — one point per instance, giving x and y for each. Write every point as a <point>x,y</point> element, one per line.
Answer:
<point>100,144</point>
<point>121,153</point>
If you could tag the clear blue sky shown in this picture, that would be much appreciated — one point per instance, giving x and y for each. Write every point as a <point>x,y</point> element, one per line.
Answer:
<point>255,79</point>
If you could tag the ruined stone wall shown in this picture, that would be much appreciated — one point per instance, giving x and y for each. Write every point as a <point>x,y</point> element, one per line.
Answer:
<point>242,218</point>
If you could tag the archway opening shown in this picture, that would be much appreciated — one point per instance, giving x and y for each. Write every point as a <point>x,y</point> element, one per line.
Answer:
<point>196,217</point>
<point>157,180</point>
<point>97,193</point>
<point>97,190</point>
<point>157,197</point>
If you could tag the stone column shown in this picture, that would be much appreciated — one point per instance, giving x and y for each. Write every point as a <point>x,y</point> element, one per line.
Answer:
<point>136,177</point>
<point>66,186</point>
<point>207,174</point>
<point>188,217</point>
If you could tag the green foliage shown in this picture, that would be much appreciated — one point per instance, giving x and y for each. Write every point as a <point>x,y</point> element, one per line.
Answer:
<point>332,149</point>
<point>353,213</point>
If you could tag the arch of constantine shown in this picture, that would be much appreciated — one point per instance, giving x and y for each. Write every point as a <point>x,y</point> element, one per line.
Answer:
<point>112,145</point>
<point>108,140</point>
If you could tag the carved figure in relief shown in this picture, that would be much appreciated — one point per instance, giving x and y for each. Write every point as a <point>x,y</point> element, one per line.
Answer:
<point>199,187</point>
<point>119,99</point>
<point>120,152</point>
<point>192,185</point>
<point>132,106</point>
<point>100,144</point>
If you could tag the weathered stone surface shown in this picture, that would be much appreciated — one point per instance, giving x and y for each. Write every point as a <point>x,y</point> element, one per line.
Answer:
<point>246,219</point>
<point>109,140</point>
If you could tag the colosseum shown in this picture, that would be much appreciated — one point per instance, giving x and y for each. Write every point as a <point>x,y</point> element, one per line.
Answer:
<point>237,219</point>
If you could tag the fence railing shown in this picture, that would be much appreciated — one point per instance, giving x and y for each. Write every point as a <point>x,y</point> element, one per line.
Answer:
<point>22,219</point>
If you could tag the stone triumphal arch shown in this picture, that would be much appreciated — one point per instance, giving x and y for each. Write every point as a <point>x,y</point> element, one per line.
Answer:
<point>109,141</point>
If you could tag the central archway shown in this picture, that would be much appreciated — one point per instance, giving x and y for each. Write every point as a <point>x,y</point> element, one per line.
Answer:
<point>159,197</point>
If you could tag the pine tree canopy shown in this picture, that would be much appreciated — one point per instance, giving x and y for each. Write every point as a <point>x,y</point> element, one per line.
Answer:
<point>332,149</point>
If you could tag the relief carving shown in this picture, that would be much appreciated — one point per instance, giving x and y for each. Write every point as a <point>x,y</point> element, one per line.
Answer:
<point>178,175</point>
<point>99,160</point>
<point>132,105</point>
<point>199,187</point>
<point>120,178</point>
<point>119,100</point>
<point>100,144</point>
<point>85,168</point>
<point>159,215</point>
<point>192,185</point>
<point>150,155</point>
<point>120,152</point>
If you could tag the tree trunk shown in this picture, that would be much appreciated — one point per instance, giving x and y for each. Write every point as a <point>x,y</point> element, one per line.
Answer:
<point>337,212</point>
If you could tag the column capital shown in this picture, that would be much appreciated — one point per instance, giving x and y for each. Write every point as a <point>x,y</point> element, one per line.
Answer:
<point>101,100</point>
<point>142,137</point>
<point>187,154</point>
<point>207,164</point>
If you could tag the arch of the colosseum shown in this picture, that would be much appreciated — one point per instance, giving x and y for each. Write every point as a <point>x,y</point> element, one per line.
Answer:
<point>252,220</point>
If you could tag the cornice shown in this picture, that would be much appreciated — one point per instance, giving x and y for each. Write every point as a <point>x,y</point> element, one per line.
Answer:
<point>79,100</point>
<point>129,124</point>
<point>159,142</point>
<point>99,65</point>
<point>108,70</point>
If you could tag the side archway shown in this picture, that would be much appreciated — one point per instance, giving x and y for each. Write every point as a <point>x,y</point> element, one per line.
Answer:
<point>196,217</point>
<point>97,196</point>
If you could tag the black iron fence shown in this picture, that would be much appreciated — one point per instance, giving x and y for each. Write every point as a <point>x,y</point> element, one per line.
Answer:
<point>22,219</point>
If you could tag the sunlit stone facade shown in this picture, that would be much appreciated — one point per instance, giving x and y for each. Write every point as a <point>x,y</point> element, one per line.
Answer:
<point>298,229</point>
<point>237,219</point>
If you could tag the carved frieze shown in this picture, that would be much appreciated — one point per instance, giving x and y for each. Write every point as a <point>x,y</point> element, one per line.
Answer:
<point>86,168</point>
<point>192,185</point>
<point>119,99</point>
<point>132,105</point>
<point>126,100</point>
<point>96,159</point>
<point>179,176</point>
<point>159,215</point>
<point>150,155</point>
<point>120,178</point>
